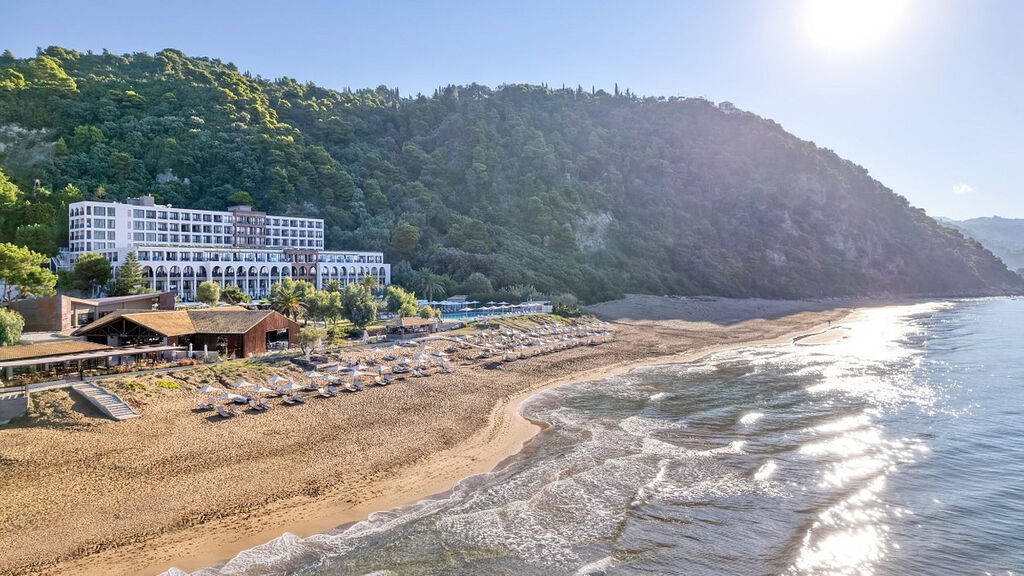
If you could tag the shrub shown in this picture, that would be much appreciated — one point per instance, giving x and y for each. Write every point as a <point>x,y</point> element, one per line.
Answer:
<point>167,384</point>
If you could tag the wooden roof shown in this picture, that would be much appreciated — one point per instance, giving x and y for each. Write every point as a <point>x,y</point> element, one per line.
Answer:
<point>43,349</point>
<point>237,321</point>
<point>410,322</point>
<point>225,320</point>
<point>165,322</point>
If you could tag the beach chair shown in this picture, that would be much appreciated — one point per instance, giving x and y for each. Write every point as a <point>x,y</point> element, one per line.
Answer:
<point>288,400</point>
<point>254,405</point>
<point>223,412</point>
<point>204,404</point>
<point>298,399</point>
<point>323,393</point>
<point>264,405</point>
<point>333,391</point>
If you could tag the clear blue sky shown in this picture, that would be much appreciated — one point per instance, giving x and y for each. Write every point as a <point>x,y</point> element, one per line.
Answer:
<point>933,106</point>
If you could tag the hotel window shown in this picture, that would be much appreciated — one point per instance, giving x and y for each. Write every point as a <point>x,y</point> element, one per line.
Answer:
<point>110,236</point>
<point>144,255</point>
<point>88,209</point>
<point>138,225</point>
<point>174,238</point>
<point>163,237</point>
<point>139,237</point>
<point>163,215</point>
<point>207,218</point>
<point>217,218</point>
<point>111,212</point>
<point>184,217</point>
<point>110,223</point>
<point>100,211</point>
<point>138,214</point>
<point>174,215</point>
<point>150,225</point>
<point>150,237</point>
<point>150,213</point>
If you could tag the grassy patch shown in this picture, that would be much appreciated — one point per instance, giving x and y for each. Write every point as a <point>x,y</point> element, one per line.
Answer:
<point>167,384</point>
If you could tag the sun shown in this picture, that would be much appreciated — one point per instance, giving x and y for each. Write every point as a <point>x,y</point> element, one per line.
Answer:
<point>851,26</point>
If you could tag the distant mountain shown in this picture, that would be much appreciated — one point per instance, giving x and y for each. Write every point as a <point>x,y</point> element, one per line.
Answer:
<point>1003,236</point>
<point>563,189</point>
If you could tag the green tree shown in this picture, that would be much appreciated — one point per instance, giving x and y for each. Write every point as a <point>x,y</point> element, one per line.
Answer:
<point>286,298</point>
<point>8,192</point>
<point>232,294</point>
<point>428,312</point>
<point>129,278</point>
<point>358,305</point>
<point>400,302</point>
<point>404,239</point>
<point>311,338</point>
<point>37,237</point>
<point>92,272</point>
<point>430,285</point>
<point>477,285</point>
<point>321,306</point>
<point>22,274</point>
<point>240,198</point>
<point>208,292</point>
<point>11,325</point>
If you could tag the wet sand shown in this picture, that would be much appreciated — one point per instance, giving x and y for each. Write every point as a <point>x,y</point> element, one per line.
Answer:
<point>85,495</point>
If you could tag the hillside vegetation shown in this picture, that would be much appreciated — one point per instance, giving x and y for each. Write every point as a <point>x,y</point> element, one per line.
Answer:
<point>562,189</point>
<point>1003,236</point>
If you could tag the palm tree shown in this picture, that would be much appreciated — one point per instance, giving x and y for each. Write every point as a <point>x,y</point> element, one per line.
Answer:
<point>284,297</point>
<point>430,285</point>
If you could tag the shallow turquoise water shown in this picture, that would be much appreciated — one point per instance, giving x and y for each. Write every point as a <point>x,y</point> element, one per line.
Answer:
<point>898,450</point>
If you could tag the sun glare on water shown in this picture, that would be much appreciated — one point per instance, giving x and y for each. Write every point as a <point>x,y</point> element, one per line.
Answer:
<point>852,26</point>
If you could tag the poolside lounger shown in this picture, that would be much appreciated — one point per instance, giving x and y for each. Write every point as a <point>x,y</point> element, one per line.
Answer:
<point>223,412</point>
<point>288,400</point>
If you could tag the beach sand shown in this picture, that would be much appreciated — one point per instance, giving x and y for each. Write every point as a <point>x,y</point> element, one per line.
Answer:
<point>86,495</point>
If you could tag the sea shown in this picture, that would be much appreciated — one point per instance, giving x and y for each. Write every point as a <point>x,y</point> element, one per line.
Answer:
<point>898,449</point>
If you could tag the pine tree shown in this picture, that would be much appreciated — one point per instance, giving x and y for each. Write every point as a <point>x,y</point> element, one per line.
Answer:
<point>129,278</point>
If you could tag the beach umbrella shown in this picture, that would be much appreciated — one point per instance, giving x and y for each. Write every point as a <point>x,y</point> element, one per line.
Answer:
<point>230,397</point>
<point>242,384</point>
<point>356,373</point>
<point>274,380</point>
<point>309,374</point>
<point>209,389</point>
<point>261,389</point>
<point>291,387</point>
<point>440,354</point>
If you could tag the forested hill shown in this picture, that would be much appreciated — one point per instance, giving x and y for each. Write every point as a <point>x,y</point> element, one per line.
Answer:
<point>563,189</point>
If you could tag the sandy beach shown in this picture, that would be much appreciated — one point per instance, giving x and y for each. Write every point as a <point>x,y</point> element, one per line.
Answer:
<point>86,495</point>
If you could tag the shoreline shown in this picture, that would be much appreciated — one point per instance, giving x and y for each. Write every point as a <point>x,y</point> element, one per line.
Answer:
<point>217,540</point>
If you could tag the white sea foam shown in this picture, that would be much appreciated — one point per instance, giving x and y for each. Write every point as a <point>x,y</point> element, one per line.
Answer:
<point>750,418</point>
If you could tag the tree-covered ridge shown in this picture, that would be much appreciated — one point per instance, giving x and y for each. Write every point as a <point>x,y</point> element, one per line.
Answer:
<point>561,189</point>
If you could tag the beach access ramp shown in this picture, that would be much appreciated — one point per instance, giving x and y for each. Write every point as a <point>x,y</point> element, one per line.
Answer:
<point>105,400</point>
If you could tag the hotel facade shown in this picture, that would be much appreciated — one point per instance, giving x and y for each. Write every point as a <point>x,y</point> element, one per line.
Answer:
<point>178,247</point>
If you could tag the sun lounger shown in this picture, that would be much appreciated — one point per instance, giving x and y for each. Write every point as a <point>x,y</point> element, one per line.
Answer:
<point>288,400</point>
<point>323,393</point>
<point>223,412</point>
<point>298,399</point>
<point>333,391</point>
<point>204,405</point>
<point>263,404</point>
<point>254,405</point>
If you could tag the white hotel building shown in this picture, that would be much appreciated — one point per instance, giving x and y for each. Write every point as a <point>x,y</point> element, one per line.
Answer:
<point>178,248</point>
